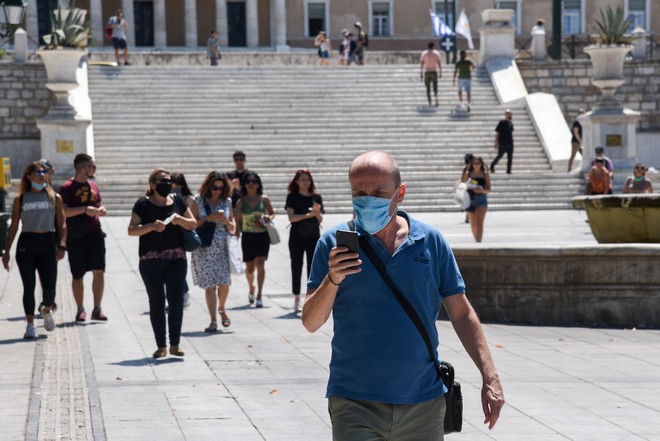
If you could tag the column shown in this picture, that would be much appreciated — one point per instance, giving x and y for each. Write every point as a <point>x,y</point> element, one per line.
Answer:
<point>191,23</point>
<point>96,18</point>
<point>280,25</point>
<point>221,22</point>
<point>252,23</point>
<point>160,24</point>
<point>129,16</point>
<point>32,23</point>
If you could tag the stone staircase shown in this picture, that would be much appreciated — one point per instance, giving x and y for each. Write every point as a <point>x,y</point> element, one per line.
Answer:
<point>192,118</point>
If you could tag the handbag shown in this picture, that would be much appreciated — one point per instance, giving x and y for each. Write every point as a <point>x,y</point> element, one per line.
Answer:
<point>453,421</point>
<point>207,230</point>
<point>235,259</point>
<point>462,197</point>
<point>191,240</point>
<point>273,235</point>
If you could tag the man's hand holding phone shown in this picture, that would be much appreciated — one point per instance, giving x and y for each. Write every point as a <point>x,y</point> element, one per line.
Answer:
<point>344,258</point>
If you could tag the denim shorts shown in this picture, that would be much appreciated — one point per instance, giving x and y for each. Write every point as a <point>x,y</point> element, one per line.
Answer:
<point>480,200</point>
<point>466,84</point>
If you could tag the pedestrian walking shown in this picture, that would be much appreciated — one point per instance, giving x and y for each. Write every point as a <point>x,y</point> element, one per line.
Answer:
<point>477,180</point>
<point>325,48</point>
<point>361,43</point>
<point>85,237</point>
<point>379,365</point>
<point>576,139</point>
<point>119,27</point>
<point>210,265</point>
<point>430,66</point>
<point>213,48</point>
<point>463,69</point>
<point>41,244</point>
<point>504,141</point>
<point>163,265</point>
<point>253,210</point>
<point>237,176</point>
<point>305,210</point>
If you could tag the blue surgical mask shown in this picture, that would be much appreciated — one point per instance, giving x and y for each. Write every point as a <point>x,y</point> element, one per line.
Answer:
<point>38,186</point>
<point>373,213</point>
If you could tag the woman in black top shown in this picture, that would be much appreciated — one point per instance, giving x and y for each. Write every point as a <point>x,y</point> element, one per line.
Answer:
<point>305,210</point>
<point>477,179</point>
<point>162,257</point>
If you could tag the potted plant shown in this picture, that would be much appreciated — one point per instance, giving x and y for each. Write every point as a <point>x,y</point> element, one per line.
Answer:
<point>64,47</point>
<point>609,53</point>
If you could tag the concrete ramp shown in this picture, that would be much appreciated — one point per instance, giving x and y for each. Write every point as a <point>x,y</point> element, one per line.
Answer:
<point>507,81</point>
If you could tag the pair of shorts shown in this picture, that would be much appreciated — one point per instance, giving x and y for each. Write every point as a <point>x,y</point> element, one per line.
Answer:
<point>464,83</point>
<point>325,54</point>
<point>119,43</point>
<point>360,419</point>
<point>86,253</point>
<point>255,245</point>
<point>479,200</point>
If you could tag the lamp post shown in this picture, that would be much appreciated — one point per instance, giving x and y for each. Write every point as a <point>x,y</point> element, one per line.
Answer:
<point>11,16</point>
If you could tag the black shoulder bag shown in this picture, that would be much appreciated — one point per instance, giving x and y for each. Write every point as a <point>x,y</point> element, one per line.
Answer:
<point>453,398</point>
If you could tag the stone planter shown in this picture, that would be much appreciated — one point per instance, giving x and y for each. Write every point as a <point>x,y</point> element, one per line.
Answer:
<point>607,64</point>
<point>622,218</point>
<point>496,16</point>
<point>62,70</point>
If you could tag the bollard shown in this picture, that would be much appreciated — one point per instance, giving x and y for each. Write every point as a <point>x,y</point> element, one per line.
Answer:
<point>21,45</point>
<point>639,43</point>
<point>539,50</point>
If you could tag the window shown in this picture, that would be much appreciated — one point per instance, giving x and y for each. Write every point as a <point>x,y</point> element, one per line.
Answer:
<point>637,11</point>
<point>449,17</point>
<point>380,16</point>
<point>571,17</point>
<point>315,19</point>
<point>510,4</point>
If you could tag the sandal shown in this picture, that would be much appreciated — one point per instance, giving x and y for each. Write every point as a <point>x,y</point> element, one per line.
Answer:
<point>213,327</point>
<point>160,353</point>
<point>226,322</point>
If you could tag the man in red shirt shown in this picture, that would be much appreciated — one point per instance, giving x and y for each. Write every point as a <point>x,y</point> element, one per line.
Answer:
<point>85,239</point>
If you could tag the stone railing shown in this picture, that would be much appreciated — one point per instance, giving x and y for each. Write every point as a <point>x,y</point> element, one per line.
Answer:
<point>570,82</point>
<point>601,285</point>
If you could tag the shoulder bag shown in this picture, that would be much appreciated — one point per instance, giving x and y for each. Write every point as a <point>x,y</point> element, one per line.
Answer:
<point>191,240</point>
<point>207,230</point>
<point>453,398</point>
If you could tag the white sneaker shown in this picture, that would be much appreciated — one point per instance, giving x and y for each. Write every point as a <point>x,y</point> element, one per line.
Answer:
<point>49,321</point>
<point>186,299</point>
<point>296,305</point>
<point>30,332</point>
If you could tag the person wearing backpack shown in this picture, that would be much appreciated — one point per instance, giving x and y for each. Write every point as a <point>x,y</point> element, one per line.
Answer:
<point>361,42</point>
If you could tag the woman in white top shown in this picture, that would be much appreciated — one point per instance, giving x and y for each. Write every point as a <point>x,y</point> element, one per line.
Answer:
<point>325,47</point>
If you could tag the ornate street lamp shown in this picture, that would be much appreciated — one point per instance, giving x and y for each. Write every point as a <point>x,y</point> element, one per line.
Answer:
<point>11,16</point>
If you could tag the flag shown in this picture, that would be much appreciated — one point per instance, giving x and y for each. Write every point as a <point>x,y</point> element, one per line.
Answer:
<point>440,29</point>
<point>463,28</point>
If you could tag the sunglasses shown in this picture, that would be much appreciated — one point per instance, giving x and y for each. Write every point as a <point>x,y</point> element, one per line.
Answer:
<point>215,188</point>
<point>239,159</point>
<point>251,181</point>
<point>40,172</point>
<point>164,181</point>
<point>639,168</point>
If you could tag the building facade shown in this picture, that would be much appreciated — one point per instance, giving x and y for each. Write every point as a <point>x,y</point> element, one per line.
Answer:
<point>391,24</point>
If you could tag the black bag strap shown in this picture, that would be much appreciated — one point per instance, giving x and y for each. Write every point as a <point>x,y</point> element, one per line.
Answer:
<point>443,371</point>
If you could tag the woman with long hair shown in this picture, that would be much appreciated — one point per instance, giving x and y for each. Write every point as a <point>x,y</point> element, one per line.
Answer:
<point>181,189</point>
<point>42,242</point>
<point>305,210</point>
<point>162,257</point>
<point>211,264</point>
<point>253,209</point>
<point>477,179</point>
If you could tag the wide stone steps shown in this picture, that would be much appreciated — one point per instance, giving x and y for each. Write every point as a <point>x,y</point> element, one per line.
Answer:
<point>191,119</point>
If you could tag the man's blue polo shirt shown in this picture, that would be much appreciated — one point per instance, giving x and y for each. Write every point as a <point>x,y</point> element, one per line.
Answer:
<point>377,353</point>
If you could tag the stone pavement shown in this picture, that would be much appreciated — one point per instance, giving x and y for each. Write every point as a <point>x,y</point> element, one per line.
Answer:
<point>264,377</point>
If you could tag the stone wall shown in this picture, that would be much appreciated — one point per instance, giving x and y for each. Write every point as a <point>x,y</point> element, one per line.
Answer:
<point>23,99</point>
<point>603,285</point>
<point>570,82</point>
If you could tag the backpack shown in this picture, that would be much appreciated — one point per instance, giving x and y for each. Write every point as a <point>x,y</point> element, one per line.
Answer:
<point>365,43</point>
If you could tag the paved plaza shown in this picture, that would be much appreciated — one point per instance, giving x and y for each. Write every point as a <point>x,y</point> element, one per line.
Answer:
<point>264,377</point>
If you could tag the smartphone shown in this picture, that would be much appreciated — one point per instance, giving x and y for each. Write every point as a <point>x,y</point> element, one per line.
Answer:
<point>348,239</point>
<point>169,218</point>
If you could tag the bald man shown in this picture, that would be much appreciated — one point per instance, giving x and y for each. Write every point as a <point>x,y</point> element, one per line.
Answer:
<point>380,365</point>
